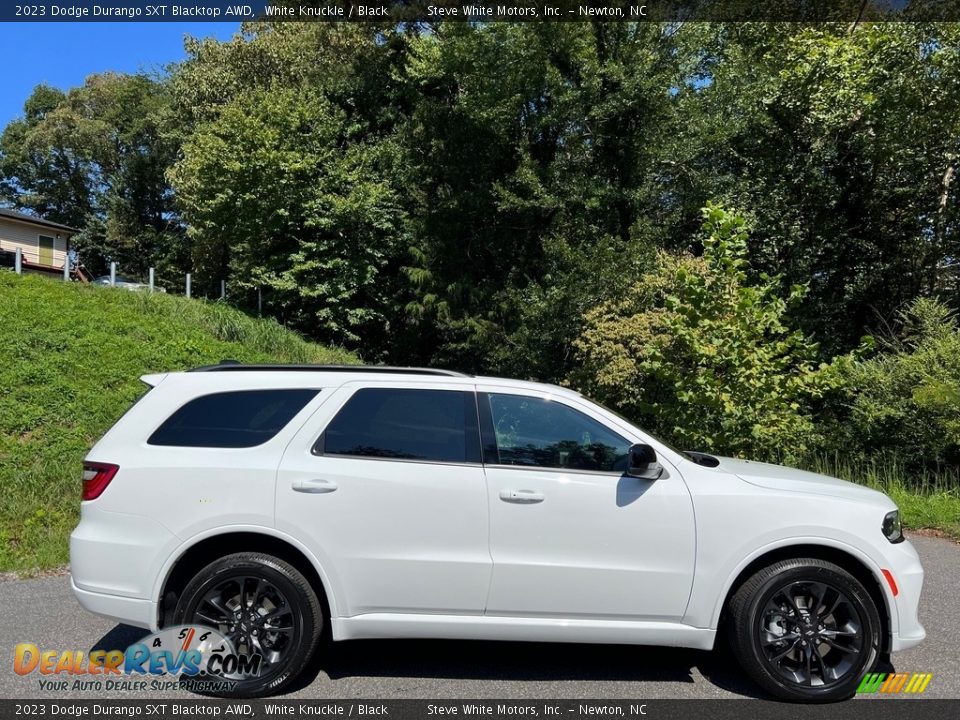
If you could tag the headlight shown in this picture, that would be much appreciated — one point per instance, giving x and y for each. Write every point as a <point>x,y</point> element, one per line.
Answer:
<point>891,527</point>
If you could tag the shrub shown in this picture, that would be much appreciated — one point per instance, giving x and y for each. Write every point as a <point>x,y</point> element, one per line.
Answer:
<point>702,355</point>
<point>905,400</point>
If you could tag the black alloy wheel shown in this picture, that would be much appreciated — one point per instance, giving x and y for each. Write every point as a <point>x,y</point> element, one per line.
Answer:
<point>805,630</point>
<point>810,634</point>
<point>253,614</point>
<point>265,607</point>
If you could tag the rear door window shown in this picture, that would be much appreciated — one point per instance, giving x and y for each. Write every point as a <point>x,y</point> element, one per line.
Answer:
<point>405,424</point>
<point>238,419</point>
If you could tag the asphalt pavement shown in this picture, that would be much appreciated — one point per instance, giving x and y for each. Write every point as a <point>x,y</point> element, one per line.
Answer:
<point>44,611</point>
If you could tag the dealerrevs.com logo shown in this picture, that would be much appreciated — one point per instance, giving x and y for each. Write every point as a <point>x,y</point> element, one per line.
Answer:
<point>189,656</point>
<point>893,683</point>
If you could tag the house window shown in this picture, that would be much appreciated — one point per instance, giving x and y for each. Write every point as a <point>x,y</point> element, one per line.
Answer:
<point>46,250</point>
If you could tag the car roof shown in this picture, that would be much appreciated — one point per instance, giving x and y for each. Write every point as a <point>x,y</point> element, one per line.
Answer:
<point>241,374</point>
<point>236,366</point>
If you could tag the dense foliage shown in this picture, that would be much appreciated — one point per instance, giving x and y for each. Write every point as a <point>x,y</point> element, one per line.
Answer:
<point>527,198</point>
<point>905,400</point>
<point>319,227</point>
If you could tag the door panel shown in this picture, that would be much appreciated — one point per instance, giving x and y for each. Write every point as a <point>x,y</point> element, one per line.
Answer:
<point>45,250</point>
<point>393,535</point>
<point>569,542</point>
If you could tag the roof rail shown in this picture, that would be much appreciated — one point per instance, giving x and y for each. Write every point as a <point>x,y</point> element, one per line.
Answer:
<point>235,366</point>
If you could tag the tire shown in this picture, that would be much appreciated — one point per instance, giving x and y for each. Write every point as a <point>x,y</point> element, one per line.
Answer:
<point>796,654</point>
<point>286,640</point>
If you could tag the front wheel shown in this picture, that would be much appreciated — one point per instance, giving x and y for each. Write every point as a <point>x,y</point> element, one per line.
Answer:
<point>265,607</point>
<point>805,630</point>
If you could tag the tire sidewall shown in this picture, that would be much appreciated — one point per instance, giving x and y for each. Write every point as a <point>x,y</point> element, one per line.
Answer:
<point>306,625</point>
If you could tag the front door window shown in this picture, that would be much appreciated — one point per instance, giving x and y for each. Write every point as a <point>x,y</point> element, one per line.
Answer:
<point>537,432</point>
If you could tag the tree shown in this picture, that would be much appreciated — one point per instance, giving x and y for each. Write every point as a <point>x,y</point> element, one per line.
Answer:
<point>534,189</point>
<point>902,403</point>
<point>276,200</point>
<point>95,158</point>
<point>287,177</point>
<point>47,160</point>
<point>843,141</point>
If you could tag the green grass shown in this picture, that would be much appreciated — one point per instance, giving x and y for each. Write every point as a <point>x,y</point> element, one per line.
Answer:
<point>70,361</point>
<point>927,500</point>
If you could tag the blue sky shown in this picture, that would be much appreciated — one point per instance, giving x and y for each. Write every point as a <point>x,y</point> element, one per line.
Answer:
<point>63,54</point>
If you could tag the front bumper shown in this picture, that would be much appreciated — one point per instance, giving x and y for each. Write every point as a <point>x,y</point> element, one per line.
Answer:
<point>904,565</point>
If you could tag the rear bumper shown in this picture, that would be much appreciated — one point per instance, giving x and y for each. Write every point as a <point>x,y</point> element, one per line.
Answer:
<point>131,611</point>
<point>114,563</point>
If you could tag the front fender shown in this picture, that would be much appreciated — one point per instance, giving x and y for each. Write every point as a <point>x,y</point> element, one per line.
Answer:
<point>704,609</point>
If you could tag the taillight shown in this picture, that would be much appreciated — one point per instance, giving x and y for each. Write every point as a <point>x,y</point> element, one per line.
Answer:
<point>96,477</point>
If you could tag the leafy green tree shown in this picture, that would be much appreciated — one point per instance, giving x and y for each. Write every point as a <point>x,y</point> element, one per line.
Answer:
<point>276,200</point>
<point>95,158</point>
<point>843,141</point>
<point>700,353</point>
<point>535,188</point>
<point>354,65</point>
<point>288,175</point>
<point>46,161</point>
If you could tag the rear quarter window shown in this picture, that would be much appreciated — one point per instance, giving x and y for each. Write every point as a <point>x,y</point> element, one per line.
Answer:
<point>236,419</point>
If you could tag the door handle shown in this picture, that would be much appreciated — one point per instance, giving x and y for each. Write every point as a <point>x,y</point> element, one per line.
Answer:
<point>314,485</point>
<point>523,497</point>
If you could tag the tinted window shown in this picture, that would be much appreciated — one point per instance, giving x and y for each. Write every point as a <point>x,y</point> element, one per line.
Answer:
<point>428,425</point>
<point>542,433</point>
<point>232,419</point>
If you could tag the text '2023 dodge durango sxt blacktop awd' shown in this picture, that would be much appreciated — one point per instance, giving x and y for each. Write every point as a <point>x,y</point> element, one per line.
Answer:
<point>266,502</point>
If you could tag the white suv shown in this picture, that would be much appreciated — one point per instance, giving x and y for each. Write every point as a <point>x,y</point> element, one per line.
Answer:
<point>270,502</point>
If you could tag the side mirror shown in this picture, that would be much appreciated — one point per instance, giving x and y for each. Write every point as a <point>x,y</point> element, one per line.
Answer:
<point>642,463</point>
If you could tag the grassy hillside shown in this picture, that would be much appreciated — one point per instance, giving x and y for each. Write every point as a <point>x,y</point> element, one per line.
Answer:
<point>70,359</point>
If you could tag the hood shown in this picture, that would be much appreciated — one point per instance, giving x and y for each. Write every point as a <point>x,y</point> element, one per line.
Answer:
<point>778,477</point>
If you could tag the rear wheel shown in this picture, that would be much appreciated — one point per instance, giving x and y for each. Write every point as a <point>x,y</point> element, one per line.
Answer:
<point>805,630</point>
<point>265,607</point>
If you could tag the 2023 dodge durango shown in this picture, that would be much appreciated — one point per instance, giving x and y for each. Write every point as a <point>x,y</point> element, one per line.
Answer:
<point>269,502</point>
